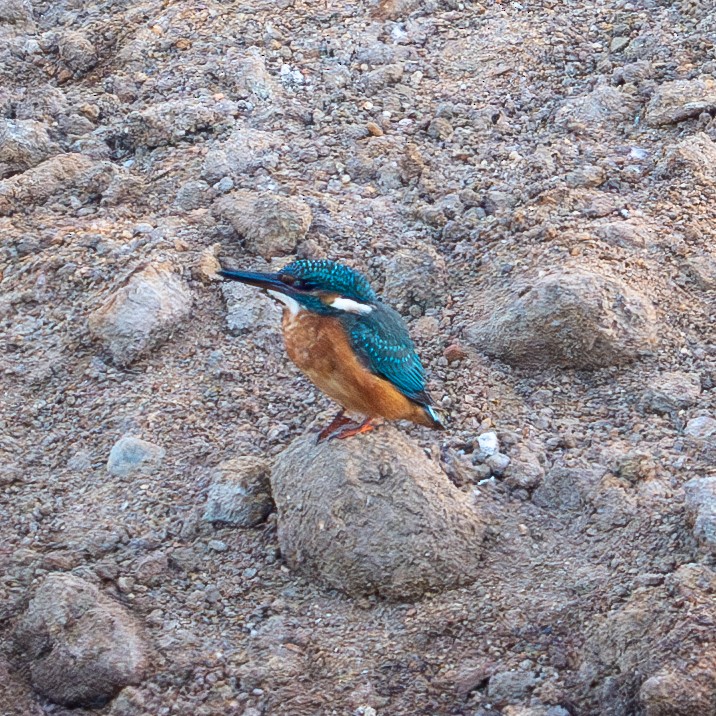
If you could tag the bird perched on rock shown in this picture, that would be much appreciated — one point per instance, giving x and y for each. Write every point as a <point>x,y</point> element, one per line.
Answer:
<point>352,346</point>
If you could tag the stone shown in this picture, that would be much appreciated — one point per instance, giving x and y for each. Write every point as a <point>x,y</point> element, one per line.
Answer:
<point>240,493</point>
<point>141,314</point>
<point>674,692</point>
<point>129,702</point>
<point>415,277</point>
<point>627,234</point>
<point>270,224</point>
<point>66,174</point>
<point>498,463</point>
<point>440,128</point>
<point>602,107</point>
<point>80,646</point>
<point>693,157</point>
<point>245,151</point>
<point>507,687</point>
<point>246,75</point>
<point>570,319</point>
<point>618,44</point>
<point>170,122</point>
<point>248,309</point>
<point>701,427</point>
<point>487,444</point>
<point>701,504</point>
<point>525,469</point>
<point>700,270</point>
<point>195,194</point>
<point>679,100</point>
<point>374,515</point>
<point>15,12</point>
<point>674,391</point>
<point>131,455</point>
<point>566,489</point>
<point>24,143</point>
<point>380,78</point>
<point>77,53</point>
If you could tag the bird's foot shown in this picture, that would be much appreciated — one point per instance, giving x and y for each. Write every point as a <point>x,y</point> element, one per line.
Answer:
<point>338,422</point>
<point>349,431</point>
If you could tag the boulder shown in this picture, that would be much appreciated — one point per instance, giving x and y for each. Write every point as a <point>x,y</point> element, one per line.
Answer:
<point>130,455</point>
<point>569,319</point>
<point>373,515</point>
<point>415,277</point>
<point>673,391</point>
<point>701,505</point>
<point>240,493</point>
<point>693,157</point>
<point>81,647</point>
<point>24,143</point>
<point>138,316</point>
<point>679,100</point>
<point>270,224</point>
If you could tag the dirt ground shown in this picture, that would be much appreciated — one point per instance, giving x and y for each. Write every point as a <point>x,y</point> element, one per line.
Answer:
<point>457,153</point>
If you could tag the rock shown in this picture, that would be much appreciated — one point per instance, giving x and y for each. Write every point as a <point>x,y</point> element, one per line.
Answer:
<point>487,444</point>
<point>680,100</point>
<point>152,569</point>
<point>498,463</point>
<point>701,504</point>
<point>167,123</point>
<point>270,224</point>
<point>396,9</point>
<point>77,53</point>
<point>247,76</point>
<point>131,455</point>
<point>81,646</point>
<point>440,128</point>
<point>694,157</point>
<point>571,319</point>
<point>415,277</point>
<point>245,151</point>
<point>701,427</point>
<point>248,309</point>
<point>15,12</point>
<point>381,77</point>
<point>507,687</point>
<point>700,271</point>
<point>675,391</point>
<point>589,175</point>
<point>618,44</point>
<point>128,702</point>
<point>374,516</point>
<point>566,489</point>
<point>240,493</point>
<point>627,234</point>
<point>24,143</point>
<point>193,195</point>
<point>68,174</point>
<point>674,692</point>
<point>600,108</point>
<point>141,314</point>
<point>525,470</point>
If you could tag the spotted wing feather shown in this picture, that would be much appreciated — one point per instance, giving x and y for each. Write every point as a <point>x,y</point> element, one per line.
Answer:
<point>382,341</point>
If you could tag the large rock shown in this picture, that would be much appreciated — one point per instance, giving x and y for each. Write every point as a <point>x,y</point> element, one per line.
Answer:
<point>569,319</point>
<point>240,493</point>
<point>373,515</point>
<point>680,100</point>
<point>80,645</point>
<point>416,276</point>
<point>77,52</point>
<point>673,391</point>
<point>693,157</point>
<point>15,11</point>
<point>68,174</point>
<point>601,108</point>
<point>131,455</point>
<point>270,224</point>
<point>138,316</point>
<point>23,144</point>
<point>246,75</point>
<point>701,505</point>
<point>245,151</point>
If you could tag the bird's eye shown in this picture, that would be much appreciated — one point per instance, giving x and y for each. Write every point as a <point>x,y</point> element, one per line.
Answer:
<point>287,279</point>
<point>299,283</point>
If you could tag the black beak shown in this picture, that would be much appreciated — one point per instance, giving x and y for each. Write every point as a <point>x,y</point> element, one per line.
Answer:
<point>269,281</point>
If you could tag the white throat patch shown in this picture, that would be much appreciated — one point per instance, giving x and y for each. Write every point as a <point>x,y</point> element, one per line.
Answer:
<point>350,306</point>
<point>291,303</point>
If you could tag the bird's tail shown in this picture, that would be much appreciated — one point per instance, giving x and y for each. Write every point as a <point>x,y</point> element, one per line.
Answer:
<point>438,421</point>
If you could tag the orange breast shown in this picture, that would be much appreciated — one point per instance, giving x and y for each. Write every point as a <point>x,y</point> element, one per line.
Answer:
<point>320,348</point>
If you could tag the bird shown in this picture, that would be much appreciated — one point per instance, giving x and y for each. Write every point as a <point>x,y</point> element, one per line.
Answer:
<point>352,346</point>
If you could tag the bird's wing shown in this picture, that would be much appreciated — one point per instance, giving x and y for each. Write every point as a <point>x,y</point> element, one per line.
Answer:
<point>382,341</point>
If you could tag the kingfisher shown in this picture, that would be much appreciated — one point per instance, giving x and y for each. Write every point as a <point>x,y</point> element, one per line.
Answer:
<point>350,344</point>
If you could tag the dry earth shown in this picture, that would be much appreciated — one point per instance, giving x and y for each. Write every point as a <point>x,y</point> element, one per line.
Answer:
<point>532,184</point>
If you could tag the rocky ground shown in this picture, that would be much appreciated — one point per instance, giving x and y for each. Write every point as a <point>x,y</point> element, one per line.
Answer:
<point>532,184</point>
